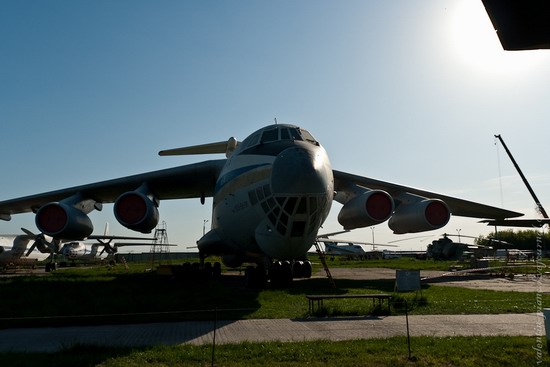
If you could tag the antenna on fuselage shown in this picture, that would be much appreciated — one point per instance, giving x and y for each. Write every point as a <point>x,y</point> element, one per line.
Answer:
<point>276,123</point>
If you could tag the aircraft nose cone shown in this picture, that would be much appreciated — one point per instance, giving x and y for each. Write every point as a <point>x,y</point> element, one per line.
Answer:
<point>301,171</point>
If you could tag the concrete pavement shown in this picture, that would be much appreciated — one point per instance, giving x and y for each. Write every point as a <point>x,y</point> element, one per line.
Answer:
<point>201,332</point>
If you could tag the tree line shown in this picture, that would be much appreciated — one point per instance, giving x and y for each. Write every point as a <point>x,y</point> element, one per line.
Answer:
<point>528,239</point>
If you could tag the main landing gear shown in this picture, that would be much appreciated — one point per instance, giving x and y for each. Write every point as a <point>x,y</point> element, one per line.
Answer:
<point>51,266</point>
<point>193,272</point>
<point>280,273</point>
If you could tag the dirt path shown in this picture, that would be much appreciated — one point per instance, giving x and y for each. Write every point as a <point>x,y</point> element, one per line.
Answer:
<point>475,281</point>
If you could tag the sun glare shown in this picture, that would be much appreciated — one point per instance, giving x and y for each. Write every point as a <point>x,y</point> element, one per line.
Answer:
<point>477,45</point>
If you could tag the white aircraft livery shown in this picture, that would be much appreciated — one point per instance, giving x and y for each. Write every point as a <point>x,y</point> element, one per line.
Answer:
<point>270,195</point>
<point>13,248</point>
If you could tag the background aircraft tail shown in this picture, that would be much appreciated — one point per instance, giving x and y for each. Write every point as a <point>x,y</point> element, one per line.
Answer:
<point>226,147</point>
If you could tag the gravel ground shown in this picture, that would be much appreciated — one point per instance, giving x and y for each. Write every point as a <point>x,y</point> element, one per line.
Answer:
<point>520,283</point>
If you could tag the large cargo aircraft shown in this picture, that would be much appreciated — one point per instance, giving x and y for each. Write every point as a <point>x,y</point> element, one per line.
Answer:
<point>270,195</point>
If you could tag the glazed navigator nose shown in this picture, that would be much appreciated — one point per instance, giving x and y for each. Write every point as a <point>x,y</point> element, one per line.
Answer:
<point>299,171</point>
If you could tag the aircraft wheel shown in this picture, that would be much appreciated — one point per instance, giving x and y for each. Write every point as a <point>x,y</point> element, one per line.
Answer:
<point>298,269</point>
<point>195,271</point>
<point>207,271</point>
<point>255,277</point>
<point>307,269</point>
<point>302,269</point>
<point>281,274</point>
<point>217,270</point>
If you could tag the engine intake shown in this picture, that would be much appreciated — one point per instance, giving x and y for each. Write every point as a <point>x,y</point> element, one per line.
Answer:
<point>425,215</point>
<point>136,211</point>
<point>60,220</point>
<point>369,208</point>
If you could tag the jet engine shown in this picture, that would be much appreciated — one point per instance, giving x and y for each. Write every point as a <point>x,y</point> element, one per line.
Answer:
<point>60,220</point>
<point>424,215</point>
<point>136,211</point>
<point>366,209</point>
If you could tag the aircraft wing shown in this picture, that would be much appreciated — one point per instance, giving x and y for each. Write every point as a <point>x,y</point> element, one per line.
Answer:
<point>459,207</point>
<point>538,223</point>
<point>110,238</point>
<point>326,239</point>
<point>520,25</point>
<point>194,180</point>
<point>122,244</point>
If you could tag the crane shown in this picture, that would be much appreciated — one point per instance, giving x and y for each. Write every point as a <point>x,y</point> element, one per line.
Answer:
<point>537,201</point>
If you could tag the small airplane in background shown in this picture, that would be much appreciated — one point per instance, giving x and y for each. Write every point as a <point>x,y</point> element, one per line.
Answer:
<point>444,248</point>
<point>82,251</point>
<point>271,196</point>
<point>349,248</point>
<point>72,251</point>
<point>78,250</point>
<point>12,251</point>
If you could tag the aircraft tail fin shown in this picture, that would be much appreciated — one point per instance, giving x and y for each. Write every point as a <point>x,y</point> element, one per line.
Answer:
<point>226,147</point>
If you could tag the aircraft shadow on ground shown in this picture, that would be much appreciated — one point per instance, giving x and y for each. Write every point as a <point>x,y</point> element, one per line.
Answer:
<point>126,299</point>
<point>121,299</point>
<point>32,301</point>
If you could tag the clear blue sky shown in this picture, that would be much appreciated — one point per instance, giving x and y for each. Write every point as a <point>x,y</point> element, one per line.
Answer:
<point>405,91</point>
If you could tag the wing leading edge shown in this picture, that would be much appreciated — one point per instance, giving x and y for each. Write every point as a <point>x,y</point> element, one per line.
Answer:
<point>527,223</point>
<point>189,181</point>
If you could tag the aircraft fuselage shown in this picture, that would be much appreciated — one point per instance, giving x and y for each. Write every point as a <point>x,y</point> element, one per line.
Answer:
<point>79,250</point>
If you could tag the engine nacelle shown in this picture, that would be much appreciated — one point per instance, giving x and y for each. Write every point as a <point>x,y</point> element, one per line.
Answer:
<point>136,211</point>
<point>59,220</point>
<point>367,209</point>
<point>425,215</point>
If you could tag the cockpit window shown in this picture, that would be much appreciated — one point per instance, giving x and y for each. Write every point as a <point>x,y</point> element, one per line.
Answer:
<point>308,137</point>
<point>277,133</point>
<point>251,141</point>
<point>284,134</point>
<point>295,134</point>
<point>270,135</point>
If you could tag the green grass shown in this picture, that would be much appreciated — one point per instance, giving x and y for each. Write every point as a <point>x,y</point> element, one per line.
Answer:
<point>405,263</point>
<point>426,351</point>
<point>408,263</point>
<point>114,295</point>
<point>139,296</point>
